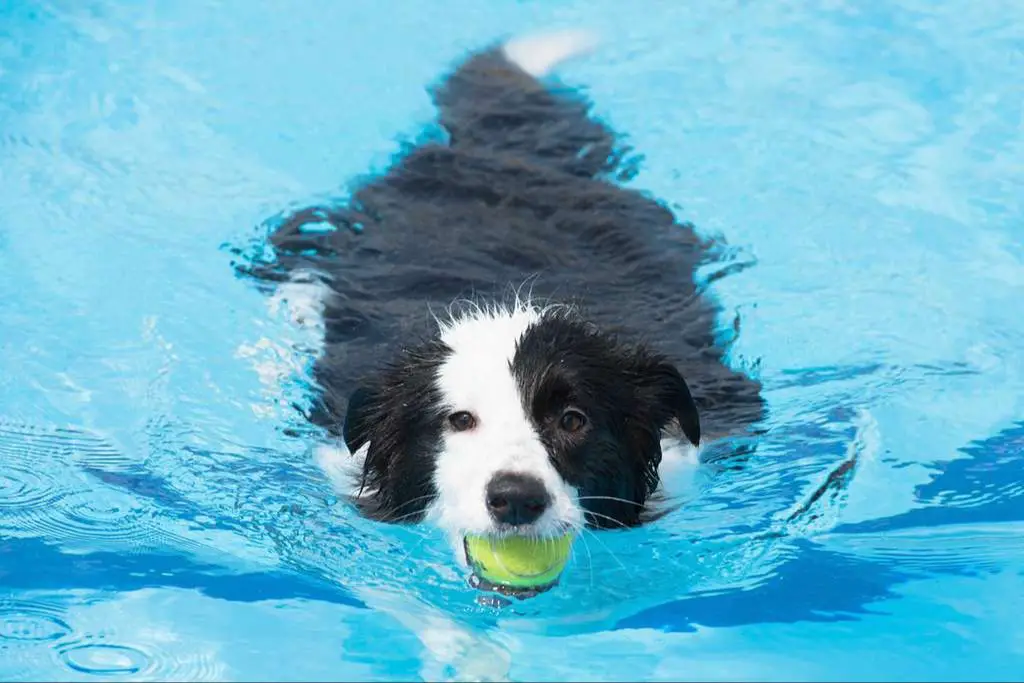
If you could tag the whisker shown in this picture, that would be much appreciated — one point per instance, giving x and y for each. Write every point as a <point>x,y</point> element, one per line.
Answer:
<point>413,500</point>
<point>408,554</point>
<point>621,524</point>
<point>612,498</point>
<point>400,518</point>
<point>610,552</point>
<point>590,558</point>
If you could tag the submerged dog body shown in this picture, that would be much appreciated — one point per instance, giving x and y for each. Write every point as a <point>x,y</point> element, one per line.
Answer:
<point>471,405</point>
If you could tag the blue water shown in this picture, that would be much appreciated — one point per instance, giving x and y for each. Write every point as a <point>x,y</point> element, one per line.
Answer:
<point>157,523</point>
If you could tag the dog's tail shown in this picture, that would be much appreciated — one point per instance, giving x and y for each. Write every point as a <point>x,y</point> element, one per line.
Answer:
<point>496,100</point>
<point>538,54</point>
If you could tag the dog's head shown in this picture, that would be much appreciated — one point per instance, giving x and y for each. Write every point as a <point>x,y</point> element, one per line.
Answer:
<point>517,420</point>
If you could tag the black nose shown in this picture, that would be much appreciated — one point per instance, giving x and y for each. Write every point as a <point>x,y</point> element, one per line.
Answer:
<point>516,498</point>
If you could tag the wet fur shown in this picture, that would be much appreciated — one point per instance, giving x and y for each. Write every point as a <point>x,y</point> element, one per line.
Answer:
<point>524,192</point>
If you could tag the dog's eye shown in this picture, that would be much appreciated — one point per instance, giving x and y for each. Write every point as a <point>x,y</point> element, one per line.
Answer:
<point>572,421</point>
<point>462,421</point>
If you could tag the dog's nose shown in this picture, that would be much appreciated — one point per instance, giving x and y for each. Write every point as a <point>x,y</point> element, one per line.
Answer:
<point>516,498</point>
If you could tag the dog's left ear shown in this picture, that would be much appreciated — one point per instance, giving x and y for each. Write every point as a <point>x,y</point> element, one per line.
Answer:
<point>666,389</point>
<point>356,430</point>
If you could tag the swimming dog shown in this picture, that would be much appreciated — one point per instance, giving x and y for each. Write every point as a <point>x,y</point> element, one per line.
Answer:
<point>513,341</point>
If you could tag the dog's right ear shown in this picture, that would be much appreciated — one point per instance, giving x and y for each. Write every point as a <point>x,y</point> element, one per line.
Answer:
<point>356,430</point>
<point>669,397</point>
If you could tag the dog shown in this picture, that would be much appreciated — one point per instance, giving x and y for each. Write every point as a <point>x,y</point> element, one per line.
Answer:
<point>513,341</point>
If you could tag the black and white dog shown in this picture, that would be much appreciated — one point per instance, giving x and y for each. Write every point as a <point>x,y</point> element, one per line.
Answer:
<point>513,342</point>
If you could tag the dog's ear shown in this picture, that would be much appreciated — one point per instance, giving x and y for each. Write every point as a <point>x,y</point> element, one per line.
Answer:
<point>670,397</point>
<point>356,430</point>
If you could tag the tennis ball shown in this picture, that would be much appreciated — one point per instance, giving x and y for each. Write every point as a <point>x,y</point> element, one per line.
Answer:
<point>519,561</point>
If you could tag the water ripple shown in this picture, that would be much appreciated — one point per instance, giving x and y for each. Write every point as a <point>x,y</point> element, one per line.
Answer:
<point>956,548</point>
<point>25,621</point>
<point>29,624</point>
<point>100,659</point>
<point>24,488</point>
<point>107,660</point>
<point>43,493</point>
<point>111,519</point>
<point>29,495</point>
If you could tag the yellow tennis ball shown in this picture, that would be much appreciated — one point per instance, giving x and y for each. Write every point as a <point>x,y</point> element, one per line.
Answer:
<point>519,561</point>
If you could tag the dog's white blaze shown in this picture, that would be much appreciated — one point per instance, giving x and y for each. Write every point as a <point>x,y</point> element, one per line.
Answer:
<point>477,378</point>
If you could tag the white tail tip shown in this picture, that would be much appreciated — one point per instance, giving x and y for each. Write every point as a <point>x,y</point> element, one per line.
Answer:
<point>539,53</point>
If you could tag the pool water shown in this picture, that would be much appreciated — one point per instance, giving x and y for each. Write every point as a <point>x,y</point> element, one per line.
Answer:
<point>157,522</point>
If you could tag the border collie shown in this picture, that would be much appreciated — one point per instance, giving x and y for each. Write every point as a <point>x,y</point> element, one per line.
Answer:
<point>512,341</point>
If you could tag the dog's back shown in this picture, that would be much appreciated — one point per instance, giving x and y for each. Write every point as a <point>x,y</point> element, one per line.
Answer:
<point>522,194</point>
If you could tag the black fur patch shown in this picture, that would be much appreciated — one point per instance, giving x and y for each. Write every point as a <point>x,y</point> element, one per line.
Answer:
<point>627,394</point>
<point>401,416</point>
